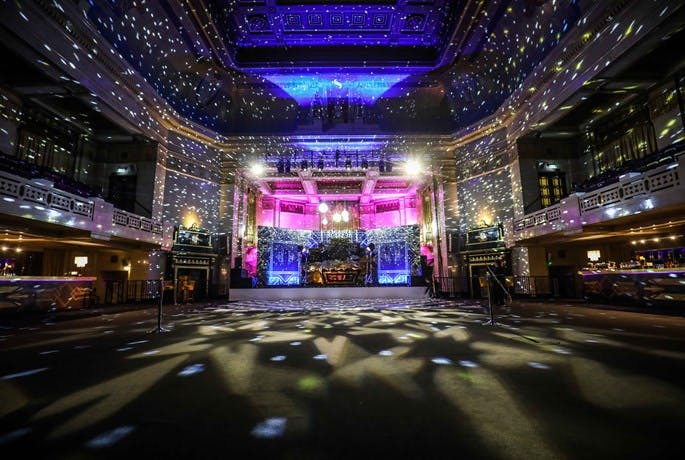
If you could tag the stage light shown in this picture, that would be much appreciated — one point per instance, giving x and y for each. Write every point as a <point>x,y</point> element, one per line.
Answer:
<point>324,221</point>
<point>323,207</point>
<point>304,165</point>
<point>257,169</point>
<point>337,217</point>
<point>412,167</point>
<point>381,166</point>
<point>345,215</point>
<point>348,163</point>
<point>320,165</point>
<point>365,164</point>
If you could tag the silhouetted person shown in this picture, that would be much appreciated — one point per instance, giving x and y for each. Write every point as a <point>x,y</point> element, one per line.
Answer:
<point>496,290</point>
<point>428,277</point>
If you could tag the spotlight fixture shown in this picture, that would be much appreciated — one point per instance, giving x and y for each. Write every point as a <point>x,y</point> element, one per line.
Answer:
<point>320,164</point>
<point>348,163</point>
<point>337,217</point>
<point>412,167</point>
<point>365,164</point>
<point>304,165</point>
<point>257,169</point>
<point>323,207</point>
<point>345,215</point>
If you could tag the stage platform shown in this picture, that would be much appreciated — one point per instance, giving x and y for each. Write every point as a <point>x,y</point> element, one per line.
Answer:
<point>339,293</point>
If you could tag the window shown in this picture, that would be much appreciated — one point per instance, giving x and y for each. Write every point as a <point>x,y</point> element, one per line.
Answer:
<point>552,187</point>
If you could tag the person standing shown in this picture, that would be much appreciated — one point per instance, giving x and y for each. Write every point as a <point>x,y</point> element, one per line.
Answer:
<point>496,286</point>
<point>428,278</point>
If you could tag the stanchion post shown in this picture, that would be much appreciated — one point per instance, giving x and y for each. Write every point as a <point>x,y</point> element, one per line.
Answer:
<point>492,312</point>
<point>161,300</point>
<point>159,327</point>
<point>175,290</point>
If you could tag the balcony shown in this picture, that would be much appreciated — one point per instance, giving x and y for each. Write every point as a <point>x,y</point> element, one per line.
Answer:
<point>39,200</point>
<point>659,188</point>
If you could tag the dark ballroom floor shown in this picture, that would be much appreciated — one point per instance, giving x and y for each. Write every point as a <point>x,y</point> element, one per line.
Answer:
<point>422,379</point>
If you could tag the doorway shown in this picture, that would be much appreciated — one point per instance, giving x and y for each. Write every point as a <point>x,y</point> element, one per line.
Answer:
<point>476,272</point>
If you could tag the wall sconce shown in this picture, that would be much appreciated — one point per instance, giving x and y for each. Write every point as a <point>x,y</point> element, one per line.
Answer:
<point>594,255</point>
<point>191,219</point>
<point>81,261</point>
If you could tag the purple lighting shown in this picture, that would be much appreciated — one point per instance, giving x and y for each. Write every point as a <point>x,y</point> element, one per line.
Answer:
<point>306,88</point>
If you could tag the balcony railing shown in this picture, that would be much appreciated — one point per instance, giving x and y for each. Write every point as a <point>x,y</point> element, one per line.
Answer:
<point>28,195</point>
<point>633,193</point>
<point>38,200</point>
<point>134,221</point>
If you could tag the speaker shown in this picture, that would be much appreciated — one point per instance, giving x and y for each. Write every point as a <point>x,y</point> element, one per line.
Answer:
<point>223,243</point>
<point>237,280</point>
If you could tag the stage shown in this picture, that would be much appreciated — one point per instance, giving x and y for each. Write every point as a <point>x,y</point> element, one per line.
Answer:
<point>327,293</point>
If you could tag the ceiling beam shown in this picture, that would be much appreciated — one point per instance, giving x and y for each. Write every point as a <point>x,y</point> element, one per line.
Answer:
<point>207,29</point>
<point>368,186</point>
<point>309,186</point>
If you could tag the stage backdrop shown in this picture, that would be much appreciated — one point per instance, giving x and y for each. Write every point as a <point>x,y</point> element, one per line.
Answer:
<point>280,251</point>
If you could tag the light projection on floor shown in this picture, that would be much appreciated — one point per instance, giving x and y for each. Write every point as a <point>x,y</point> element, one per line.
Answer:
<point>434,354</point>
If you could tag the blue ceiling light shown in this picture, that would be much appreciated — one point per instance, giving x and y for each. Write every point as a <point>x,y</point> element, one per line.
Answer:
<point>308,89</point>
<point>293,33</point>
<point>394,65</point>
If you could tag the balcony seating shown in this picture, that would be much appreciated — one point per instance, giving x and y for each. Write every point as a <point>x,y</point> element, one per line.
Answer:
<point>656,159</point>
<point>28,170</point>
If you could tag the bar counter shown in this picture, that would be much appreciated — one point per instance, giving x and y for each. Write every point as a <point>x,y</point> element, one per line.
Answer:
<point>44,293</point>
<point>654,288</point>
